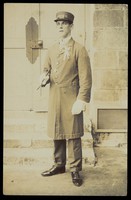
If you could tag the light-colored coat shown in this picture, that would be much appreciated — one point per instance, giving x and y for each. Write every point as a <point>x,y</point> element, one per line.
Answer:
<point>70,79</point>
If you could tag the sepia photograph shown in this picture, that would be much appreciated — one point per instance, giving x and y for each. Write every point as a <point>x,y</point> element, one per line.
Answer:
<point>65,99</point>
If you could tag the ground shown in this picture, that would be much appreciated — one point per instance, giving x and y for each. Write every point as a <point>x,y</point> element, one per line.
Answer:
<point>107,178</point>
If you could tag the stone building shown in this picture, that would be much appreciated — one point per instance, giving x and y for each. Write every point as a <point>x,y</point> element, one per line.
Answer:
<point>29,30</point>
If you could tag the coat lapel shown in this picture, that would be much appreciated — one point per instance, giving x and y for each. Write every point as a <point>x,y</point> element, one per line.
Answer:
<point>70,43</point>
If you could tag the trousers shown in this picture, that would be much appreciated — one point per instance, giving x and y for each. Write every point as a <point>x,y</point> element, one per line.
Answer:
<point>74,153</point>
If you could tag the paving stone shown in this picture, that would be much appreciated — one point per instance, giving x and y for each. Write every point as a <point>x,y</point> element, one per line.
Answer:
<point>107,178</point>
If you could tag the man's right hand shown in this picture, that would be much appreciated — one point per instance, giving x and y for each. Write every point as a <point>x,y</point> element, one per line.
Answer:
<point>43,79</point>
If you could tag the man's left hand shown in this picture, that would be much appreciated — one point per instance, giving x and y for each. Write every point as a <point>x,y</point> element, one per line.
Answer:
<point>78,107</point>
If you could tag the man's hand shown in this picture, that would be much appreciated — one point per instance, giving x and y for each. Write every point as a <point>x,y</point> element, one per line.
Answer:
<point>43,79</point>
<point>78,107</point>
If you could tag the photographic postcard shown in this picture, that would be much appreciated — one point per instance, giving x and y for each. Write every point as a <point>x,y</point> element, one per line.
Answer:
<point>29,31</point>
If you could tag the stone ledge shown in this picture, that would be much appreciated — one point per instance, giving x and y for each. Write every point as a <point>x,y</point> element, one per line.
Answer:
<point>38,143</point>
<point>27,143</point>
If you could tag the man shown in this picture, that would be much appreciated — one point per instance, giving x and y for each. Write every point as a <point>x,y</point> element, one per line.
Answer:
<point>67,68</point>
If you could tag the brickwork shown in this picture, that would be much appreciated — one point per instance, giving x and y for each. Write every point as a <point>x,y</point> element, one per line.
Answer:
<point>105,18</point>
<point>109,52</point>
<point>110,47</point>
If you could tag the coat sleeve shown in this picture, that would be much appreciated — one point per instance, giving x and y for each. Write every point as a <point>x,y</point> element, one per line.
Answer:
<point>47,66</point>
<point>85,75</point>
<point>47,63</point>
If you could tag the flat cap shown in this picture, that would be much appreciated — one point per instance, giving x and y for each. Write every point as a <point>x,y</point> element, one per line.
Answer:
<point>64,16</point>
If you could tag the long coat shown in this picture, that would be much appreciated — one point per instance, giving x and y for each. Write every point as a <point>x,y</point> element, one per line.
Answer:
<point>70,79</point>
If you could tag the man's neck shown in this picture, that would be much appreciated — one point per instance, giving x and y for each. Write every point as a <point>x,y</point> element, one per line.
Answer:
<point>65,40</point>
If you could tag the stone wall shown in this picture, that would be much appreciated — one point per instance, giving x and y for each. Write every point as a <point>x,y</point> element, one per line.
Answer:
<point>108,51</point>
<point>109,55</point>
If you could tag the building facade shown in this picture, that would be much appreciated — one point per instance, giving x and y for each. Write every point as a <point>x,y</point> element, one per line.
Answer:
<point>29,30</point>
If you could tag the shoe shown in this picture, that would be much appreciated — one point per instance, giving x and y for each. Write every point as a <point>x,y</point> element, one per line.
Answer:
<point>53,171</point>
<point>76,179</point>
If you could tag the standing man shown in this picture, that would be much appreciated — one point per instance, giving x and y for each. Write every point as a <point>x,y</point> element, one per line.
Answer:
<point>67,69</point>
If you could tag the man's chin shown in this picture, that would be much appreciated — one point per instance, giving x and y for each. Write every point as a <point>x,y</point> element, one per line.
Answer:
<point>61,35</point>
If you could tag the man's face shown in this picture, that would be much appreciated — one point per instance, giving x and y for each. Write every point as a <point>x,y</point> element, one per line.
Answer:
<point>64,28</point>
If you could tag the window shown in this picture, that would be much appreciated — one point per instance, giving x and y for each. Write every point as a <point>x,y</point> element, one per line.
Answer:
<point>112,118</point>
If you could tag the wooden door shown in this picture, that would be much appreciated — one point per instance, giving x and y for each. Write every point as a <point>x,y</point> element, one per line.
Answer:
<point>18,70</point>
<point>23,62</point>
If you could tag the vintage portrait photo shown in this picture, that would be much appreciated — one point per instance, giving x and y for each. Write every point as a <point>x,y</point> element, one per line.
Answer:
<point>65,99</point>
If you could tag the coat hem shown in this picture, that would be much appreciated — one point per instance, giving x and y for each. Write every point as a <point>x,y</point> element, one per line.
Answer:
<point>62,137</point>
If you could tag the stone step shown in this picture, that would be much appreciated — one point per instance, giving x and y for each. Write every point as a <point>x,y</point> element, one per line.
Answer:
<point>19,122</point>
<point>30,131</point>
<point>37,156</point>
<point>38,142</point>
<point>25,129</point>
<point>24,125</point>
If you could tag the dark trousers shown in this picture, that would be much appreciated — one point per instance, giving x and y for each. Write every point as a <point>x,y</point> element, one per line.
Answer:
<point>74,153</point>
